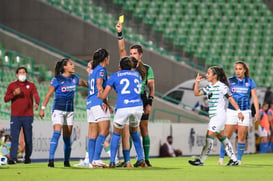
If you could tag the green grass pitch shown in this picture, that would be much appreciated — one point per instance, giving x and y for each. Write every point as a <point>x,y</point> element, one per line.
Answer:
<point>255,167</point>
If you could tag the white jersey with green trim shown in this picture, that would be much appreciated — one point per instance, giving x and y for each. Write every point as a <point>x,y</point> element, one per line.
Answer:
<point>216,98</point>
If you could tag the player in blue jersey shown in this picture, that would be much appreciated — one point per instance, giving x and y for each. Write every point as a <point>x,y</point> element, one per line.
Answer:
<point>98,111</point>
<point>242,88</point>
<point>218,93</point>
<point>64,85</point>
<point>147,91</point>
<point>129,107</point>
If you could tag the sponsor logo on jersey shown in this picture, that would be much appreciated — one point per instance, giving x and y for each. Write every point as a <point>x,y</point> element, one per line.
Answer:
<point>68,88</point>
<point>63,89</point>
<point>126,101</point>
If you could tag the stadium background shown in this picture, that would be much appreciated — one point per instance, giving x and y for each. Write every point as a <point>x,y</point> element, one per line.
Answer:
<point>180,38</point>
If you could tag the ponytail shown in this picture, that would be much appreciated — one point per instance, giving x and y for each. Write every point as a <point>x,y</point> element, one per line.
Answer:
<point>59,67</point>
<point>221,75</point>
<point>98,56</point>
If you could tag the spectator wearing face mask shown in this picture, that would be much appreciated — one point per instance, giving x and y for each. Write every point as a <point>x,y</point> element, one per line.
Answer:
<point>21,93</point>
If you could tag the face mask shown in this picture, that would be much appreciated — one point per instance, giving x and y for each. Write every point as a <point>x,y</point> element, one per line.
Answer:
<point>22,78</point>
<point>8,144</point>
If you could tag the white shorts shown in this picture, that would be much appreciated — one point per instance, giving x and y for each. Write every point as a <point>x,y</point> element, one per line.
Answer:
<point>263,132</point>
<point>62,117</point>
<point>130,115</point>
<point>217,123</point>
<point>232,118</point>
<point>96,114</point>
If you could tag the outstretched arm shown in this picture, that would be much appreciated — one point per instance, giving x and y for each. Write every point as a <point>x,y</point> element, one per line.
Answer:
<point>121,44</point>
<point>196,90</point>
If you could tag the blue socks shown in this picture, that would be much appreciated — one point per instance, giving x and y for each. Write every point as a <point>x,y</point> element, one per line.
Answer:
<point>99,145</point>
<point>67,148</point>
<point>137,144</point>
<point>114,146</point>
<point>54,143</point>
<point>240,150</point>
<point>126,154</point>
<point>91,149</point>
<point>263,147</point>
<point>222,151</point>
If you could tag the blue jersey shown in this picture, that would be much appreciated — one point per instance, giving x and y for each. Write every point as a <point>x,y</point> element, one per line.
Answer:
<point>65,88</point>
<point>92,99</point>
<point>127,84</point>
<point>241,91</point>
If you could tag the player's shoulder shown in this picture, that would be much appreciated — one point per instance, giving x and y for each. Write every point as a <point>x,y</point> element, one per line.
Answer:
<point>232,79</point>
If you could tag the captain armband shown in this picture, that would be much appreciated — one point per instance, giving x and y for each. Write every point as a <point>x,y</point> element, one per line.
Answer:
<point>150,100</point>
<point>228,95</point>
<point>120,37</point>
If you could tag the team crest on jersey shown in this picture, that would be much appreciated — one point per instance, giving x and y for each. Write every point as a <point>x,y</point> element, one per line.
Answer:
<point>247,84</point>
<point>63,89</point>
<point>101,73</point>
<point>74,81</point>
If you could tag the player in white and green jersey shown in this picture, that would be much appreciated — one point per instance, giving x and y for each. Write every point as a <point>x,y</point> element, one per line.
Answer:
<point>218,93</point>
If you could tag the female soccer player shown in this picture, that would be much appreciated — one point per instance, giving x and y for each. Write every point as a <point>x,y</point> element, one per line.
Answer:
<point>98,111</point>
<point>129,107</point>
<point>218,93</point>
<point>64,85</point>
<point>147,84</point>
<point>242,88</point>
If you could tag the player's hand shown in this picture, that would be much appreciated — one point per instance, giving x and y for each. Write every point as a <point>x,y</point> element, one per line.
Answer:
<point>241,116</point>
<point>36,107</point>
<point>198,78</point>
<point>17,91</point>
<point>42,113</point>
<point>257,117</point>
<point>119,27</point>
<point>104,107</point>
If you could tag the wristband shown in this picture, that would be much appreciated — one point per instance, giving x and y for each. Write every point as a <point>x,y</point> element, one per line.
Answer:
<point>43,107</point>
<point>120,37</point>
<point>150,100</point>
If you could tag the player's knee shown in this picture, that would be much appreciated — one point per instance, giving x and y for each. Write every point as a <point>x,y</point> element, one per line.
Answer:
<point>118,125</point>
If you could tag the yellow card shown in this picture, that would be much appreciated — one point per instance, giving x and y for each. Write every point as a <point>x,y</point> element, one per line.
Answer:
<point>121,19</point>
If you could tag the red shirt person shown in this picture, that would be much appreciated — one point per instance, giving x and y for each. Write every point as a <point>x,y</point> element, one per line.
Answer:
<point>21,93</point>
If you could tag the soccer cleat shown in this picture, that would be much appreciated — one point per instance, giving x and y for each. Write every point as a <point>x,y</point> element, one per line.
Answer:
<point>99,163</point>
<point>112,165</point>
<point>117,161</point>
<point>140,163</point>
<point>125,165</point>
<point>11,162</point>
<point>232,163</point>
<point>221,161</point>
<point>196,162</point>
<point>81,164</point>
<point>51,163</point>
<point>27,161</point>
<point>66,164</point>
<point>148,163</point>
<point>90,165</point>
